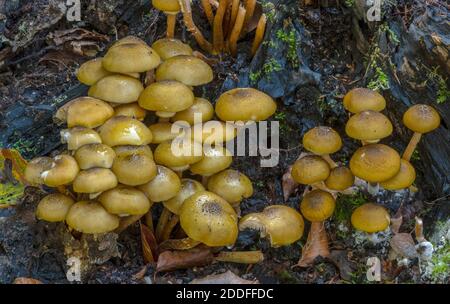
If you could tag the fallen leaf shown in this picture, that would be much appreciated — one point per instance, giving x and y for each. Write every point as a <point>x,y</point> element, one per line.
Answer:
<point>342,262</point>
<point>403,244</point>
<point>178,244</point>
<point>141,274</point>
<point>149,244</point>
<point>316,245</point>
<point>223,278</point>
<point>396,223</point>
<point>173,260</point>
<point>288,184</point>
<point>27,281</point>
<point>12,178</point>
<point>76,34</point>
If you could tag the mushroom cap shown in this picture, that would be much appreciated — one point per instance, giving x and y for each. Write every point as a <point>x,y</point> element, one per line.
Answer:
<point>145,149</point>
<point>245,104</point>
<point>94,180</point>
<point>215,159</point>
<point>95,155</point>
<point>213,132</point>
<point>375,163</point>
<point>127,40</point>
<point>134,167</point>
<point>421,118</point>
<point>79,136</point>
<point>169,47</point>
<point>340,178</point>
<point>131,58</point>
<point>317,205</point>
<point>370,218</point>
<point>117,89</point>
<point>88,112</point>
<point>132,110</point>
<point>34,169</point>
<point>168,6</point>
<point>362,99</point>
<point>124,200</point>
<point>403,179</point>
<point>232,185</point>
<point>163,187</point>
<point>189,70</point>
<point>368,126</point>
<point>63,171</point>
<point>202,109</point>
<point>322,140</point>
<point>166,96</point>
<point>90,217</point>
<point>162,131</point>
<point>188,188</point>
<point>54,207</point>
<point>273,221</point>
<point>92,71</point>
<point>208,218</point>
<point>178,154</point>
<point>310,169</point>
<point>123,130</point>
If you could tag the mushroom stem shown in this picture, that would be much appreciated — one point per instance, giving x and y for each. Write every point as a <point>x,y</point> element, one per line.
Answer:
<point>174,219</point>
<point>259,34</point>
<point>411,146</point>
<point>242,257</point>
<point>205,181</point>
<point>171,20</point>
<point>250,9</point>
<point>127,222</point>
<point>373,188</point>
<point>234,12</point>
<point>190,25</point>
<point>237,28</point>
<point>368,142</point>
<point>218,40</point>
<point>162,222</point>
<point>208,11</point>
<point>226,20</point>
<point>149,77</point>
<point>330,161</point>
<point>148,218</point>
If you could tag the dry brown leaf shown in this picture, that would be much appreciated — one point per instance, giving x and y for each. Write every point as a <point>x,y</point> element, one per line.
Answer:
<point>173,260</point>
<point>149,244</point>
<point>396,223</point>
<point>178,244</point>
<point>342,262</point>
<point>316,245</point>
<point>288,184</point>
<point>223,278</point>
<point>27,281</point>
<point>403,244</point>
<point>76,34</point>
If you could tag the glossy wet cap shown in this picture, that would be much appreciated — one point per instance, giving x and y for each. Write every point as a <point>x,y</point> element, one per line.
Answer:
<point>310,169</point>
<point>63,171</point>
<point>132,110</point>
<point>34,169</point>
<point>123,130</point>
<point>94,180</point>
<point>189,70</point>
<point>322,140</point>
<point>340,178</point>
<point>87,112</point>
<point>370,218</point>
<point>213,132</point>
<point>54,207</point>
<point>164,186</point>
<point>368,126</point>
<point>169,47</point>
<point>95,155</point>
<point>232,185</point>
<point>91,218</point>
<point>188,188</point>
<point>178,155</point>
<point>215,159</point>
<point>92,71</point>
<point>131,58</point>
<point>133,166</point>
<point>163,131</point>
<point>170,6</point>
<point>77,137</point>
<point>125,200</point>
<point>362,99</point>
<point>201,108</point>
<point>117,89</point>
<point>317,205</point>
<point>403,179</point>
<point>421,118</point>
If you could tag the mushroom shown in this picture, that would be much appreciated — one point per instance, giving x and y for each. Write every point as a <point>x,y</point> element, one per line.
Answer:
<point>34,169</point>
<point>79,136</point>
<point>245,104</point>
<point>420,119</point>
<point>163,187</point>
<point>94,181</point>
<point>178,155</point>
<point>370,218</point>
<point>232,185</point>
<point>259,35</point>
<point>208,218</point>
<point>125,201</point>
<point>54,207</point>
<point>132,110</point>
<point>213,132</point>
<point>127,40</point>
<point>92,71</point>
<point>133,165</point>
<point>215,159</point>
<point>317,205</point>
<point>368,126</point>
<point>169,47</point>
<point>63,171</point>
<point>403,179</point>
<point>86,112</point>
<point>340,178</point>
<point>323,141</point>
<point>90,217</point>
<point>122,130</point>
<point>95,155</point>
<point>283,225</point>
<point>189,70</point>
<point>362,99</point>
<point>202,109</point>
<point>310,170</point>
<point>117,89</point>
<point>171,8</point>
<point>162,131</point>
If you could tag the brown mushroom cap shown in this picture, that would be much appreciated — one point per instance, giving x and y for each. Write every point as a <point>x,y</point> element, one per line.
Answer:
<point>421,118</point>
<point>95,155</point>
<point>122,130</point>
<point>245,104</point>
<point>213,132</point>
<point>78,137</point>
<point>188,188</point>
<point>63,171</point>
<point>178,155</point>
<point>34,169</point>
<point>94,180</point>
<point>54,207</point>
<point>162,131</point>
<point>163,187</point>
<point>375,163</point>
<point>189,70</point>
<point>340,178</point>
<point>362,99</point>
<point>117,89</point>
<point>169,47</point>
<point>215,159</point>
<point>132,110</point>
<point>134,167</point>
<point>317,205</point>
<point>403,179</point>
<point>370,218</point>
<point>90,217</point>
<point>88,112</point>
<point>322,140</point>
<point>124,200</point>
<point>168,6</point>
<point>92,71</point>
<point>232,185</point>
<point>130,58</point>
<point>201,108</point>
<point>310,169</point>
<point>368,126</point>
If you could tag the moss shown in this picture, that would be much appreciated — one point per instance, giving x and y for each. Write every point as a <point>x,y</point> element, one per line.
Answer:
<point>10,193</point>
<point>269,10</point>
<point>349,3</point>
<point>390,33</point>
<point>415,155</point>
<point>290,38</point>
<point>443,93</point>
<point>345,204</point>
<point>380,81</point>
<point>269,67</point>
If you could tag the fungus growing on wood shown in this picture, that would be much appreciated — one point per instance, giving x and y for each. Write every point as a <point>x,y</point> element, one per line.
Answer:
<point>370,218</point>
<point>54,207</point>
<point>169,47</point>
<point>369,126</point>
<point>91,218</point>
<point>123,130</point>
<point>232,185</point>
<point>317,205</point>
<point>117,89</point>
<point>323,141</point>
<point>362,99</point>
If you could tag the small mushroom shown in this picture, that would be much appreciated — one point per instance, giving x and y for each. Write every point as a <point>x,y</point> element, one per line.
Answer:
<point>91,72</point>
<point>79,136</point>
<point>232,185</point>
<point>283,225</point>
<point>127,40</point>
<point>63,171</point>
<point>323,141</point>
<point>310,170</point>
<point>215,160</point>
<point>317,205</point>
<point>368,126</point>
<point>117,89</point>
<point>133,166</point>
<point>163,187</point>
<point>124,201</point>
<point>94,181</point>
<point>122,130</point>
<point>420,119</point>
<point>403,179</point>
<point>171,8</point>
<point>132,110</point>
<point>87,112</point>
<point>362,99</point>
<point>213,132</point>
<point>178,155</point>
<point>162,131</point>
<point>189,70</point>
<point>169,47</point>
<point>340,179</point>
<point>130,58</point>
<point>54,207</point>
<point>91,218</point>
<point>370,218</point>
<point>202,109</point>
<point>34,169</point>
<point>95,155</point>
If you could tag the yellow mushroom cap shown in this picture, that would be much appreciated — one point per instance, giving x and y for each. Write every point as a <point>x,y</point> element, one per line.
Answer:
<point>169,47</point>
<point>340,178</point>
<point>403,179</point>
<point>178,155</point>
<point>78,137</point>
<point>208,218</point>
<point>132,110</point>
<point>127,40</point>
<point>362,99</point>
<point>164,186</point>
<point>134,167</point>
<point>95,155</point>
<point>213,132</point>
<point>166,96</point>
<point>63,171</point>
<point>123,130</point>
<point>88,112</point>
<point>370,218</point>
<point>368,126</point>
<point>189,70</point>
<point>421,118</point>
<point>169,6</point>
<point>131,58</point>
<point>310,169</point>
<point>232,185</point>
<point>245,104</point>
<point>188,188</point>
<point>375,163</point>
<point>283,225</point>
<point>117,89</point>
<point>322,140</point>
<point>34,169</point>
<point>124,200</point>
<point>201,108</point>
<point>92,71</point>
<point>94,180</point>
<point>54,207</point>
<point>145,149</point>
<point>317,205</point>
<point>215,159</point>
<point>91,218</point>
<point>162,131</point>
